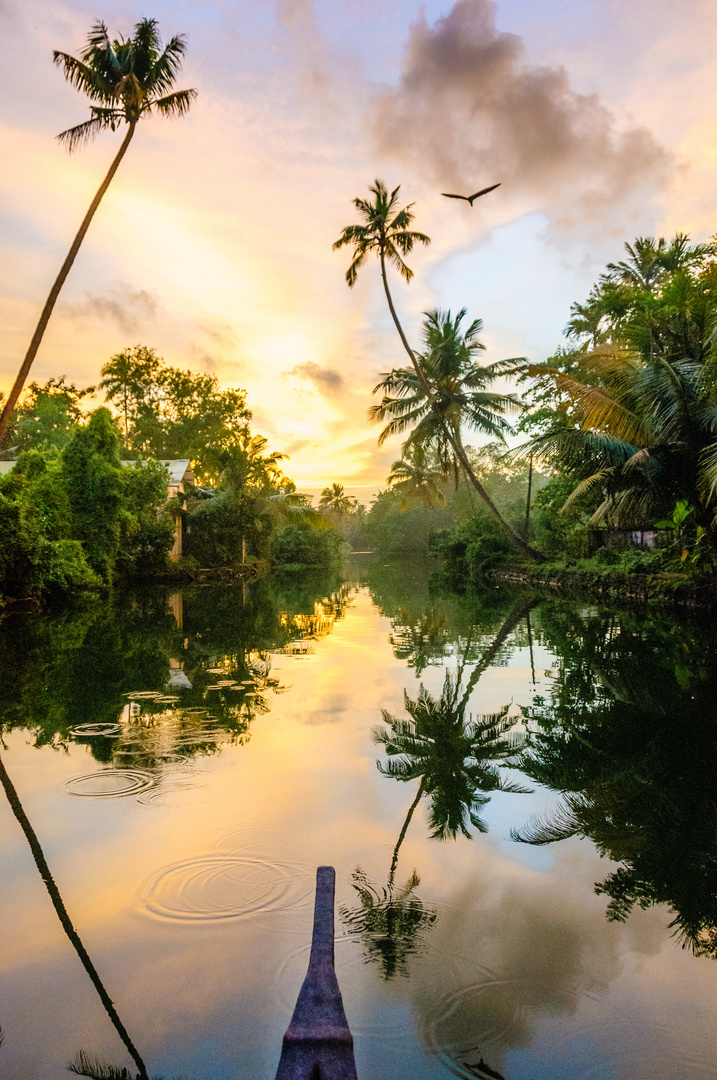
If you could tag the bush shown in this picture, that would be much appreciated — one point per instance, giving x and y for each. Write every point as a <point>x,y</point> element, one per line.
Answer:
<point>64,567</point>
<point>298,546</point>
<point>473,548</point>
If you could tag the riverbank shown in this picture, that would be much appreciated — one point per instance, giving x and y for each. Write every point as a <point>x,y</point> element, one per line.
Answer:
<point>670,589</point>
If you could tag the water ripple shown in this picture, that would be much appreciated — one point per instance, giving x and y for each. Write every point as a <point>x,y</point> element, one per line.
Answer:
<point>108,783</point>
<point>96,729</point>
<point>215,887</point>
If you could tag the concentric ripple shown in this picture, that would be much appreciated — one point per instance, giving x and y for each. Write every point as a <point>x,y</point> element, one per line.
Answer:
<point>96,729</point>
<point>215,887</point>
<point>109,783</point>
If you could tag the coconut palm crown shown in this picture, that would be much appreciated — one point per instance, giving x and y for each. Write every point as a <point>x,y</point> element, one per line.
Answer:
<point>459,387</point>
<point>385,231</point>
<point>127,78</point>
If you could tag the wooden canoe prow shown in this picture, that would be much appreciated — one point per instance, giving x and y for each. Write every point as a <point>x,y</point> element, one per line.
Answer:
<point>318,1044</point>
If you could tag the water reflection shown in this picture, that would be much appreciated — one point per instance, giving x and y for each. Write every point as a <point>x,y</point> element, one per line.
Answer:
<point>496,961</point>
<point>147,681</point>
<point>390,921</point>
<point>453,756</point>
<point>58,904</point>
<point>629,737</point>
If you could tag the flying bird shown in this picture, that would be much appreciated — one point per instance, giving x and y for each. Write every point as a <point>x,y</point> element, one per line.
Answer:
<point>470,198</point>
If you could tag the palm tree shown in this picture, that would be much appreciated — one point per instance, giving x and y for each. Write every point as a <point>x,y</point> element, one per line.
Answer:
<point>416,477</point>
<point>335,501</point>
<point>385,231</point>
<point>641,432</point>
<point>125,80</point>
<point>460,394</point>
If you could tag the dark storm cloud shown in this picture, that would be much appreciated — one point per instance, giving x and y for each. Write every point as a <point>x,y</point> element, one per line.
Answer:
<point>470,110</point>
<point>124,306</point>
<point>326,380</point>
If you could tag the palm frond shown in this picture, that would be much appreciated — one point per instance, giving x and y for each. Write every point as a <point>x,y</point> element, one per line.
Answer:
<point>88,1065</point>
<point>84,133</point>
<point>176,104</point>
<point>83,77</point>
<point>539,831</point>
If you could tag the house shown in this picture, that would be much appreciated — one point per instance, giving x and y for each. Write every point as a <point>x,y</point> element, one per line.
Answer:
<point>180,473</point>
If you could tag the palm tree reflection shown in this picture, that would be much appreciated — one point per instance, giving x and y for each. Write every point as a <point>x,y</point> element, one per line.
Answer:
<point>67,925</point>
<point>628,740</point>
<point>453,756</point>
<point>390,921</point>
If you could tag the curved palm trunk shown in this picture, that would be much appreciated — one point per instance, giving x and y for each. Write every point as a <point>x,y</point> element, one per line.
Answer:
<point>61,911</point>
<point>404,830</point>
<point>509,624</point>
<point>37,337</point>
<point>453,437</point>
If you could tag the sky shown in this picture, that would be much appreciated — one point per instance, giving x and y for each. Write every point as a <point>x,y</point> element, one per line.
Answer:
<point>213,244</point>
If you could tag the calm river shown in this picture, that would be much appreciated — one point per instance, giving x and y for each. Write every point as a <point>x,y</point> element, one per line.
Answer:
<point>229,752</point>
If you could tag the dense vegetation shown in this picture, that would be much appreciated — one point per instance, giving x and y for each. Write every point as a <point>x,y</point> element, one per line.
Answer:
<point>624,422</point>
<point>84,498</point>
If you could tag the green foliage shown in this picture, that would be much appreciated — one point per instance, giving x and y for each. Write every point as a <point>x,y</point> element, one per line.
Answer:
<point>384,230</point>
<point>126,78</point>
<point>453,393</point>
<point>169,413</point>
<point>147,524</point>
<point>64,567</point>
<point>76,521</point>
<point>47,416</point>
<point>336,503</point>
<point>300,546</point>
<point>473,548</point>
<point>392,529</point>
<point>560,529</point>
<point>218,527</point>
<point>629,414</point>
<point>92,476</point>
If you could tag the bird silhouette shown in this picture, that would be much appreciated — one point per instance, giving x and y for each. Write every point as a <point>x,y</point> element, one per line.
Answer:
<point>470,198</point>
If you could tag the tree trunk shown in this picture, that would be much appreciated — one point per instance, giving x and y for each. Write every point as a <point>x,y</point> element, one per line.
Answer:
<point>527,501</point>
<point>454,439</point>
<point>404,830</point>
<point>509,624</point>
<point>66,922</point>
<point>37,337</point>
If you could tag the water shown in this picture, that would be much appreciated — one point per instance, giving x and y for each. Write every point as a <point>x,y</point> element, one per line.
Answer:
<point>187,762</point>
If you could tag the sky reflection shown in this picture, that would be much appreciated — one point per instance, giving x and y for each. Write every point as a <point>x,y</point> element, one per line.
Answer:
<point>196,908</point>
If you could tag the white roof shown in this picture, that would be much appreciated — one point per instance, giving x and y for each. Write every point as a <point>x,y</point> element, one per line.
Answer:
<point>178,468</point>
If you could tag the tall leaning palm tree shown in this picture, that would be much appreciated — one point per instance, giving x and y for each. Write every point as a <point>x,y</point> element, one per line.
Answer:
<point>385,231</point>
<point>124,80</point>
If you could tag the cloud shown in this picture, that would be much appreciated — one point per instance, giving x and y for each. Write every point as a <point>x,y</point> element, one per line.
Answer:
<point>222,334</point>
<point>470,110</point>
<point>125,306</point>
<point>327,380</point>
<point>523,950</point>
